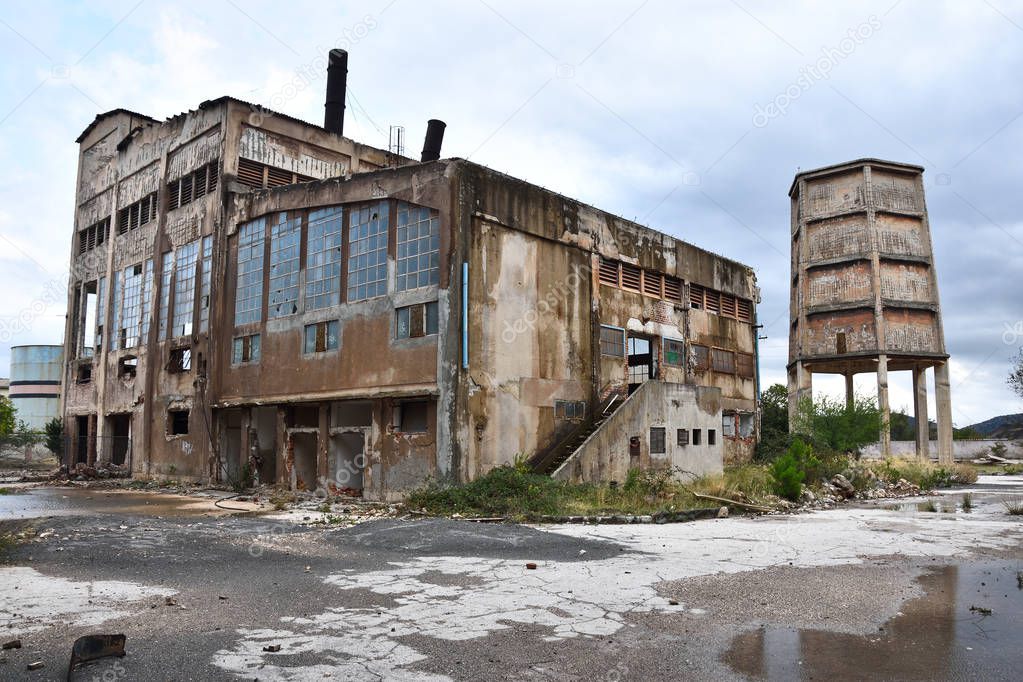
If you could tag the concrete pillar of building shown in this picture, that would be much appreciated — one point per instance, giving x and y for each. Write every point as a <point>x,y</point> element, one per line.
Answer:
<point>322,447</point>
<point>91,443</point>
<point>244,447</point>
<point>943,402</point>
<point>923,426</point>
<point>800,388</point>
<point>882,404</point>
<point>850,395</point>
<point>283,468</point>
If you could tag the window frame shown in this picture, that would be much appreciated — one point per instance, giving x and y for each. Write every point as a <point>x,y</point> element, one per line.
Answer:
<point>681,352</point>
<point>658,438</point>
<point>604,343</point>
<point>321,337</point>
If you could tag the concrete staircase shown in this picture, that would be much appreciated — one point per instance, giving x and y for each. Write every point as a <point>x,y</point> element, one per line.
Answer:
<point>550,461</point>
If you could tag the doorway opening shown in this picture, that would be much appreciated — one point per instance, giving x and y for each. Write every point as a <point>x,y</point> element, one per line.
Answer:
<point>120,440</point>
<point>346,460</point>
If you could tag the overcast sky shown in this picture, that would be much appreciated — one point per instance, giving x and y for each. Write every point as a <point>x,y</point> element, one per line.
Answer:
<point>691,117</point>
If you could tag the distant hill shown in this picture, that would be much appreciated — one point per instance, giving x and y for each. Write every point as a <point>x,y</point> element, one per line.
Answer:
<point>1005,426</point>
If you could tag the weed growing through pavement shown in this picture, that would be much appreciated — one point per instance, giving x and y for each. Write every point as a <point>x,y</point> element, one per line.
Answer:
<point>1014,506</point>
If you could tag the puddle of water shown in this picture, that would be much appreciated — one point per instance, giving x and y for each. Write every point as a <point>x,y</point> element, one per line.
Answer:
<point>938,636</point>
<point>37,502</point>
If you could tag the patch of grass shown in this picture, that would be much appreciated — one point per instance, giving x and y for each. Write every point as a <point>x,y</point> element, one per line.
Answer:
<point>281,499</point>
<point>513,492</point>
<point>928,506</point>
<point>6,491</point>
<point>926,474</point>
<point>1013,506</point>
<point>967,502</point>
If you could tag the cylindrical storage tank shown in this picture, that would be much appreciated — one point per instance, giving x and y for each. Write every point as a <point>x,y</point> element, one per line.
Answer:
<point>35,383</point>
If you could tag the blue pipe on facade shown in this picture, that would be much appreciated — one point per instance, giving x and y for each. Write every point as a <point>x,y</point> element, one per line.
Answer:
<point>465,315</point>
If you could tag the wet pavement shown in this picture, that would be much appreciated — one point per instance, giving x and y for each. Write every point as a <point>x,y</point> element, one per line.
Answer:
<point>859,592</point>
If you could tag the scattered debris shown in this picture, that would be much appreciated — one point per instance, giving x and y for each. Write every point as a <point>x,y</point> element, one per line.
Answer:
<point>531,566</point>
<point>982,610</point>
<point>272,648</point>
<point>169,601</point>
<point>13,644</point>
<point>845,488</point>
<point>723,513</point>
<point>35,665</point>
<point>91,647</point>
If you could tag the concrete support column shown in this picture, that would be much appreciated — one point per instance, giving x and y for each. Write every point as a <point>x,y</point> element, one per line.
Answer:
<point>800,387</point>
<point>923,427</point>
<point>244,446</point>
<point>283,468</point>
<point>943,402</point>
<point>322,445</point>
<point>850,395</point>
<point>882,404</point>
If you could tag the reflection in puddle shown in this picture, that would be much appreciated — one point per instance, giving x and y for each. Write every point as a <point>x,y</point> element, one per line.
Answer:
<point>37,502</point>
<point>938,636</point>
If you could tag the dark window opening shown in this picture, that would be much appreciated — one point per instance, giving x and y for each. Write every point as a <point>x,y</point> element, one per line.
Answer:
<point>657,438</point>
<point>413,417</point>
<point>92,236</point>
<point>712,437</point>
<point>177,422</point>
<point>180,360</point>
<point>840,343</point>
<point>84,374</point>
<point>683,437</point>
<point>127,366</point>
<point>696,436</point>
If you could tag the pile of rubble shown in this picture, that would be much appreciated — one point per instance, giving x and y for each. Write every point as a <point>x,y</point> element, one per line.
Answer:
<point>840,489</point>
<point>84,472</point>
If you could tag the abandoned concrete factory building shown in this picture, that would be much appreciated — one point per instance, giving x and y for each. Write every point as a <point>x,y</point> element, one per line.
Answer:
<point>251,294</point>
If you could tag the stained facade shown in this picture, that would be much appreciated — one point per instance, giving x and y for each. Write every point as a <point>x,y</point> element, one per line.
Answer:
<point>864,295</point>
<point>255,298</point>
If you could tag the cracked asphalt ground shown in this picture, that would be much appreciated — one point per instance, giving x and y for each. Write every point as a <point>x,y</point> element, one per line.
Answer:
<point>877,591</point>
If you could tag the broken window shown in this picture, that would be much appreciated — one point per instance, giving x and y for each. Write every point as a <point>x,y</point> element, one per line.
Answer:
<point>417,320</point>
<point>187,259</point>
<point>147,298</point>
<point>204,286</point>
<point>367,251</point>
<point>413,417</point>
<point>248,300</point>
<point>712,437</point>
<point>101,313</point>
<point>696,296</point>
<point>285,238</point>
<point>682,437</point>
<point>744,365</point>
<point>180,360</point>
<point>746,424</point>
<point>245,349</point>
<point>571,410</point>
<point>91,323</point>
<point>612,341</point>
<point>418,262</point>
<point>322,336</point>
<point>727,424</point>
<point>323,258</point>
<point>723,361</point>
<point>165,283</point>
<point>93,236</point>
<point>130,305</point>
<point>127,366</point>
<point>84,373</point>
<point>177,422</point>
<point>674,353</point>
<point>657,445</point>
<point>701,357</point>
<point>696,436</point>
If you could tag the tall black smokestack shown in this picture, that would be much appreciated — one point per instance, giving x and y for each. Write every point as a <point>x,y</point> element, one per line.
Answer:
<point>434,138</point>
<point>337,83</point>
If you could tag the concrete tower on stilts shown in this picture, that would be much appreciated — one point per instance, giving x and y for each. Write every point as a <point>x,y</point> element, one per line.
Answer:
<point>864,294</point>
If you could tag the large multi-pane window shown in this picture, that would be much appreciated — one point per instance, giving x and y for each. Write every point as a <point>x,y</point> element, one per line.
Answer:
<point>204,287</point>
<point>367,251</point>
<point>248,302</point>
<point>147,297</point>
<point>184,288</point>
<point>323,259</point>
<point>131,284</point>
<point>418,260</point>
<point>285,238</point>
<point>165,282</point>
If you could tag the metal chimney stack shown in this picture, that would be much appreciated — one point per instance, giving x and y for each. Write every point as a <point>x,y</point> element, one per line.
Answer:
<point>434,138</point>
<point>337,83</point>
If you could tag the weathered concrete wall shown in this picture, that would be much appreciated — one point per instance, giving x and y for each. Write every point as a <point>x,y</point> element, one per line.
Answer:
<point>606,455</point>
<point>961,449</point>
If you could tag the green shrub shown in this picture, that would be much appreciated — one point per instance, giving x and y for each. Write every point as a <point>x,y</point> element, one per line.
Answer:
<point>55,436</point>
<point>833,425</point>
<point>789,470</point>
<point>504,491</point>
